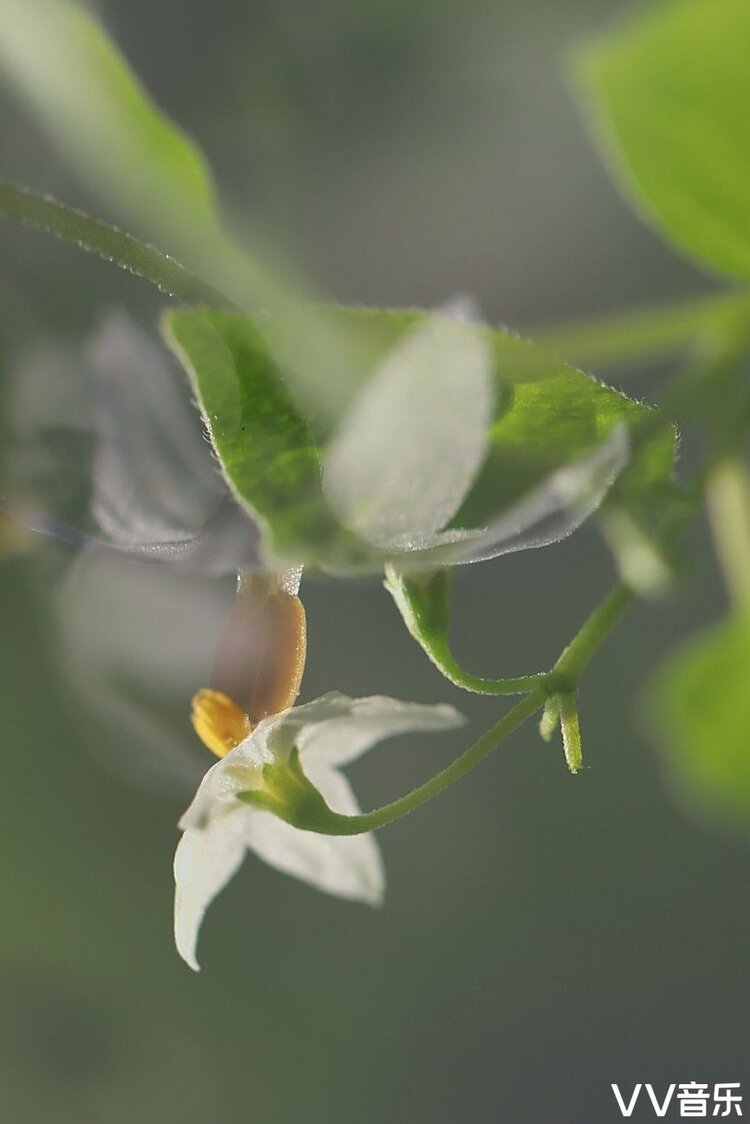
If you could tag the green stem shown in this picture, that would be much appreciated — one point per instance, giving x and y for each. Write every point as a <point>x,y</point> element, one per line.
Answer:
<point>44,213</point>
<point>424,603</point>
<point>336,824</point>
<point>728,502</point>
<point>624,337</point>
<point>642,334</point>
<point>445,662</point>
<point>560,680</point>
<point>590,636</point>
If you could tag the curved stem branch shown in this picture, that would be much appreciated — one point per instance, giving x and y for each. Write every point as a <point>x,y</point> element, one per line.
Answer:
<point>561,678</point>
<point>478,684</point>
<point>44,213</point>
<point>643,334</point>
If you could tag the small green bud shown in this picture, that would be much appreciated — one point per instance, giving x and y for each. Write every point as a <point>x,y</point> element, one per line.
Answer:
<point>571,731</point>
<point>550,719</point>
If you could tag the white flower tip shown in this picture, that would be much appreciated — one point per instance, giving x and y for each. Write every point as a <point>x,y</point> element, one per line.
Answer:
<point>449,716</point>
<point>462,307</point>
<point>187,956</point>
<point>185,934</point>
<point>204,862</point>
<point>372,896</point>
<point>377,897</point>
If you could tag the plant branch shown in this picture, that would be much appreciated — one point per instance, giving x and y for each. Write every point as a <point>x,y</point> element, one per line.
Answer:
<point>561,679</point>
<point>336,824</point>
<point>643,334</point>
<point>46,214</point>
<point>593,631</point>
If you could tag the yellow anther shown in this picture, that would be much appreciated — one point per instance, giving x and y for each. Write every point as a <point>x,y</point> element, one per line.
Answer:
<point>219,722</point>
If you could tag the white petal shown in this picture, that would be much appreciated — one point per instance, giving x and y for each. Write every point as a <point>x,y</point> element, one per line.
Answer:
<point>414,440</point>
<point>239,771</point>
<point>218,830</point>
<point>348,866</point>
<point>205,860</point>
<point>343,737</point>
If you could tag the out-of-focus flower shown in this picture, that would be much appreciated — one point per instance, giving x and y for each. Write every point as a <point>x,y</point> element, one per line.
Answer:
<point>108,455</point>
<point>328,733</point>
<point>154,489</point>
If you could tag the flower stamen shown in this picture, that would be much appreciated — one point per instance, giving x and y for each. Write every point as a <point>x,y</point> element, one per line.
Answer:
<point>218,721</point>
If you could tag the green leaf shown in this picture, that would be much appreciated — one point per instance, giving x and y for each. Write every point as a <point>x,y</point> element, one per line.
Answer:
<point>97,113</point>
<point>266,449</point>
<point>669,94</point>
<point>146,171</point>
<point>543,416</point>
<point>95,237</point>
<point>153,178</point>
<point>698,707</point>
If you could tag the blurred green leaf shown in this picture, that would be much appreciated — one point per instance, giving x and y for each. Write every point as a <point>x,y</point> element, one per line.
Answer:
<point>154,179</point>
<point>669,93</point>
<point>643,561</point>
<point>698,707</point>
<point>266,449</point>
<point>97,113</point>
<point>547,419</point>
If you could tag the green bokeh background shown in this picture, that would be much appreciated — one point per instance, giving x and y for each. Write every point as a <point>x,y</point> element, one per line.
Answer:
<point>543,935</point>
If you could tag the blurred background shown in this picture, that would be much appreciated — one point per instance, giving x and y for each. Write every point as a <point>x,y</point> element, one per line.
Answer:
<point>543,935</point>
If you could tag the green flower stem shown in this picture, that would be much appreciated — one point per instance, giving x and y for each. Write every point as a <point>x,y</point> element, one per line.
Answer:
<point>590,636</point>
<point>335,824</point>
<point>569,665</point>
<point>625,337</point>
<point>643,334</point>
<point>454,673</point>
<point>424,604</point>
<point>728,502</point>
<point>46,214</point>
<point>560,681</point>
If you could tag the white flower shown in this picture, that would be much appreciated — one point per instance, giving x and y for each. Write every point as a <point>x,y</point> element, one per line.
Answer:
<point>218,828</point>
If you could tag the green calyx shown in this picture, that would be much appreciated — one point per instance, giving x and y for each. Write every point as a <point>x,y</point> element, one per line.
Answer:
<point>289,794</point>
